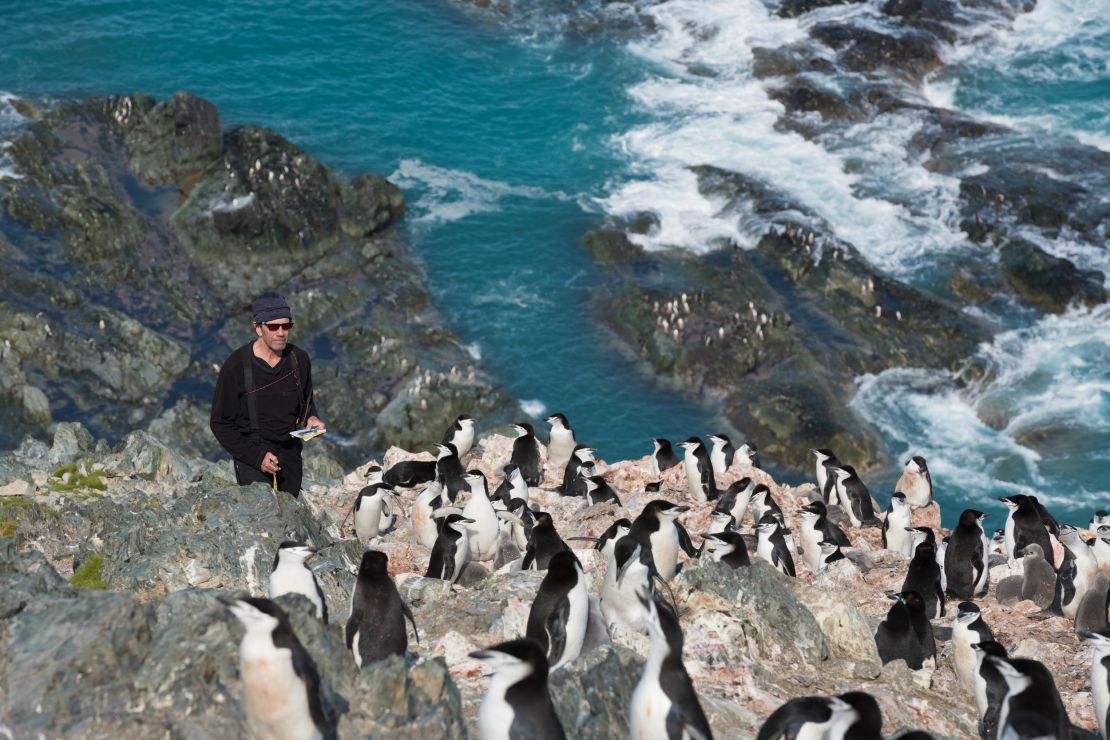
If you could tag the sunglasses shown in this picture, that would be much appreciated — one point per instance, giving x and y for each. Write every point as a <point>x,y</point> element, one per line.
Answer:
<point>287,326</point>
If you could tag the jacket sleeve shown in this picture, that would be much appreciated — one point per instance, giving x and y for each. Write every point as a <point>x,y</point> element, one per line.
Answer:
<point>225,422</point>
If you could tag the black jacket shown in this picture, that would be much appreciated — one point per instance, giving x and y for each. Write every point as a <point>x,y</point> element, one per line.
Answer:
<point>280,394</point>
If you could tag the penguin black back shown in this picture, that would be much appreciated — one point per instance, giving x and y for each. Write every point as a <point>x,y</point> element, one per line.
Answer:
<point>663,453</point>
<point>377,612</point>
<point>450,471</point>
<point>526,454</point>
<point>410,473</point>
<point>543,544</point>
<point>905,633</point>
<point>923,576</point>
<point>551,602</point>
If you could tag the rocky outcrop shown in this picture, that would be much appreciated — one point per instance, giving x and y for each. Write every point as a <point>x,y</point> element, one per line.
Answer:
<point>137,234</point>
<point>1047,282</point>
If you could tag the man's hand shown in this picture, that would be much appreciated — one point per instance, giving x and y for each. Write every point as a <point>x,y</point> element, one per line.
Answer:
<point>270,464</point>
<point>314,423</point>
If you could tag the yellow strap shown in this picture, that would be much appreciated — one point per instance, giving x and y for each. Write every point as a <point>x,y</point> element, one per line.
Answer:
<point>275,480</point>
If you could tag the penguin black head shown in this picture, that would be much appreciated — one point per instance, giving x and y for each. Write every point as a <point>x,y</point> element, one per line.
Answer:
<point>660,445</point>
<point>256,613</point>
<point>463,418</point>
<point>823,453</point>
<point>816,507</point>
<point>898,500</point>
<point>543,519</point>
<point>563,562</point>
<point>739,486</point>
<point>477,476</point>
<point>447,449</point>
<point>560,419</point>
<point>584,452</point>
<point>919,461</point>
<point>661,508</point>
<point>722,438</point>
<point>663,623</point>
<point>830,551</point>
<point>691,444</point>
<point>374,565</point>
<point>524,429</point>
<point>372,471</point>
<point>912,600</point>
<point>515,659</point>
<point>767,523</point>
<point>967,612</point>
<point>1099,639</point>
<point>971,518</point>
<point>869,722</point>
<point>291,548</point>
<point>456,522</point>
<point>926,534</point>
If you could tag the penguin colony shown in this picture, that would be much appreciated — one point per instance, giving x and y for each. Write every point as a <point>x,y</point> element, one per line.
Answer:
<point>463,519</point>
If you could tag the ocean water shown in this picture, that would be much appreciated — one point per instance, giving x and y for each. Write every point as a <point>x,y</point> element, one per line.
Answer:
<point>511,141</point>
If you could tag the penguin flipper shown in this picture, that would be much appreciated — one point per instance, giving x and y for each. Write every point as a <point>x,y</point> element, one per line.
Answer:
<point>836,534</point>
<point>786,563</point>
<point>323,601</point>
<point>529,557</point>
<point>555,627</point>
<point>685,719</point>
<point>684,541</point>
<point>435,563</point>
<point>408,613</point>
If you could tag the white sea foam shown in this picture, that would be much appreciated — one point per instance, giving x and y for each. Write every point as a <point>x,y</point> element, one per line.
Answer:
<point>1051,378</point>
<point>10,122</point>
<point>474,350</point>
<point>533,407</point>
<point>447,195</point>
<point>862,185</point>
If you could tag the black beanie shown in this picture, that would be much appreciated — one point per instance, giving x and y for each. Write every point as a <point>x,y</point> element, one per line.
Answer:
<point>270,306</point>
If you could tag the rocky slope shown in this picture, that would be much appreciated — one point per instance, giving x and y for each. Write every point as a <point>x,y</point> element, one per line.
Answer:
<point>155,653</point>
<point>134,238</point>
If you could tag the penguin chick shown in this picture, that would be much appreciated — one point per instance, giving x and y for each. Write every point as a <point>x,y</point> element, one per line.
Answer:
<point>290,575</point>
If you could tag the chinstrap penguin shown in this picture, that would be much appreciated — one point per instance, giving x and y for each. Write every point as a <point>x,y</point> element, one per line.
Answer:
<point>291,575</point>
<point>376,625</point>
<point>517,703</point>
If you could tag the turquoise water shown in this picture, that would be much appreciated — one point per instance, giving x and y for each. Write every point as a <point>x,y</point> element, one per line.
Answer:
<point>500,144</point>
<point>510,146</point>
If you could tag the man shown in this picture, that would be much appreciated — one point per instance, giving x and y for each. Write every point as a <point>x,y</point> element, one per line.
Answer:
<point>264,392</point>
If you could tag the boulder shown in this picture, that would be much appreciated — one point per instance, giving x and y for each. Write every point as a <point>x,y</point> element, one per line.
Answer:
<point>1047,282</point>
<point>173,140</point>
<point>592,695</point>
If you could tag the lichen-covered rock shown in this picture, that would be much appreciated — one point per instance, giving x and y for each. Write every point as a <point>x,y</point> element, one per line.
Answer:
<point>592,695</point>
<point>169,140</point>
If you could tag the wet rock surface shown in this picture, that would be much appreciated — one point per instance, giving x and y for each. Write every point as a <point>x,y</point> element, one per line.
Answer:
<point>134,239</point>
<point>156,653</point>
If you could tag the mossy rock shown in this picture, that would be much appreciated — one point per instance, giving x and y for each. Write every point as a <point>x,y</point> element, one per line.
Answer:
<point>80,478</point>
<point>88,575</point>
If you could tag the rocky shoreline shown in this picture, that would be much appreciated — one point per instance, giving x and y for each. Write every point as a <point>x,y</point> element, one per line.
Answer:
<point>779,332</point>
<point>156,653</point>
<point>135,236</point>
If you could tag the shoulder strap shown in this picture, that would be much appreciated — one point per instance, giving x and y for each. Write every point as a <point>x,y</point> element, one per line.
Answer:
<point>248,386</point>
<point>301,420</point>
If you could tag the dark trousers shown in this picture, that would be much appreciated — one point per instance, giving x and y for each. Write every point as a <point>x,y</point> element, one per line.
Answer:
<point>288,478</point>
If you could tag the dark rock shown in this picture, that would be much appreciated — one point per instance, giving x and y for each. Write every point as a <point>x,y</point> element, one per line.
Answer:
<point>912,53</point>
<point>1047,282</point>
<point>804,97</point>
<point>390,700</point>
<point>114,287</point>
<point>369,203</point>
<point>785,61</point>
<point>173,140</point>
<point>592,695</point>
<point>794,8</point>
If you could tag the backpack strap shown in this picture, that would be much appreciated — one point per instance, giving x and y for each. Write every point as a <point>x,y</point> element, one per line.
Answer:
<point>301,421</point>
<point>248,386</point>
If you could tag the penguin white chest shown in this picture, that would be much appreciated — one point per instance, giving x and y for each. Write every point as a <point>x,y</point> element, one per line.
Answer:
<point>664,548</point>
<point>368,519</point>
<point>274,697</point>
<point>577,617</point>
<point>483,533</point>
<point>495,715</point>
<point>295,579</point>
<point>811,545</point>
<point>561,447</point>
<point>963,657</point>
<point>693,477</point>
<point>648,709</point>
<point>1100,691</point>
